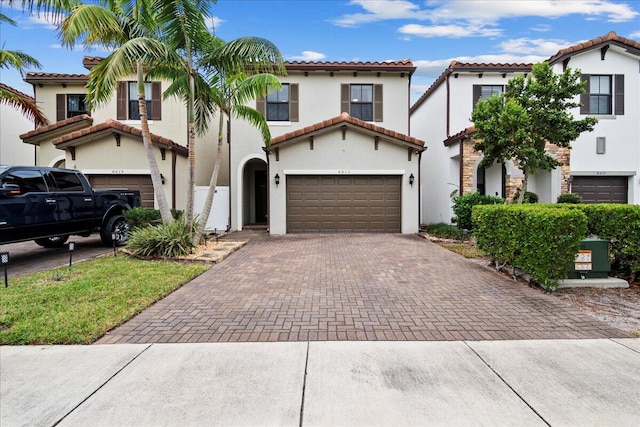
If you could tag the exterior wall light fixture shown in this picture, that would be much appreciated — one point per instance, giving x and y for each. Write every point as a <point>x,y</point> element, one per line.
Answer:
<point>411,179</point>
<point>277,179</point>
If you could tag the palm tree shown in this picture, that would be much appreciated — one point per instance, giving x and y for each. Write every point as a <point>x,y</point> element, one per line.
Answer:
<point>129,27</point>
<point>12,97</point>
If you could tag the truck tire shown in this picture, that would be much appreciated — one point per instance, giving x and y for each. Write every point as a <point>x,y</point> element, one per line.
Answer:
<point>117,225</point>
<point>52,242</point>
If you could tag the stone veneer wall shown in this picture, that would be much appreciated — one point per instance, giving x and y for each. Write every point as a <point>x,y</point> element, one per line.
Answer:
<point>470,159</point>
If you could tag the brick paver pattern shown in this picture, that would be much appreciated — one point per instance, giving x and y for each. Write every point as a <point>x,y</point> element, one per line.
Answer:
<point>353,287</point>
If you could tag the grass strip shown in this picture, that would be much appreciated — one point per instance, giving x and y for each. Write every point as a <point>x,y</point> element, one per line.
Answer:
<point>78,305</point>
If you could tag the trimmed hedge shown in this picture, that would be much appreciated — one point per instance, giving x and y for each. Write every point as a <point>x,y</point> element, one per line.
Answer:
<point>538,239</point>
<point>463,205</point>
<point>570,198</point>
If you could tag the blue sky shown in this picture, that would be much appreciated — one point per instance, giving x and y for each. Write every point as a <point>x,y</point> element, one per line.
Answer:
<point>431,33</point>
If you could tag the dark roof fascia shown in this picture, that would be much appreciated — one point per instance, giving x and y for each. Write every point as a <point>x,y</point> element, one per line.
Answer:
<point>55,78</point>
<point>560,56</point>
<point>57,129</point>
<point>397,67</point>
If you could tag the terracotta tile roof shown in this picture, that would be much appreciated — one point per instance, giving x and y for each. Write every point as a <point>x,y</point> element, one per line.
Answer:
<point>460,136</point>
<point>401,66</point>
<point>470,67</point>
<point>16,91</point>
<point>111,125</point>
<point>76,120</point>
<point>344,118</point>
<point>34,78</point>
<point>610,37</point>
<point>91,61</point>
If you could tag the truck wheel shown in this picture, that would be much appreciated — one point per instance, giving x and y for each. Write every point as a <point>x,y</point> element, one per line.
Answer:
<point>115,225</point>
<point>52,242</point>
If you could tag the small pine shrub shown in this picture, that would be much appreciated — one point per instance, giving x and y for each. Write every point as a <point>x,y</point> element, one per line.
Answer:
<point>162,240</point>
<point>444,231</point>
<point>570,198</point>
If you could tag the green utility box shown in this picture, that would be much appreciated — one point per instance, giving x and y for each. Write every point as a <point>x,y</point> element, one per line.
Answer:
<point>592,260</point>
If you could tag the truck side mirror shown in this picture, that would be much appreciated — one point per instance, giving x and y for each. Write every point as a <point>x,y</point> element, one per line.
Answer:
<point>7,190</point>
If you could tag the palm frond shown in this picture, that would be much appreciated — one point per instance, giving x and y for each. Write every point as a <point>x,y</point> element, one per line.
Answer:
<point>246,54</point>
<point>256,119</point>
<point>17,60</point>
<point>24,103</point>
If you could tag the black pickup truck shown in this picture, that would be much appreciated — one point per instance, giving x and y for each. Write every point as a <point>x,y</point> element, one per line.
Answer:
<point>50,204</point>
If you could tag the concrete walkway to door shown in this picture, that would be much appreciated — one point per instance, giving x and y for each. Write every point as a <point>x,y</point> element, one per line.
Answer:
<point>333,287</point>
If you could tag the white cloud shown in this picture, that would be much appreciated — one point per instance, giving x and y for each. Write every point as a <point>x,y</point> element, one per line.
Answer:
<point>542,28</point>
<point>381,10</point>
<point>535,46</point>
<point>76,48</point>
<point>308,55</point>
<point>213,22</point>
<point>451,31</point>
<point>46,19</point>
<point>635,35</point>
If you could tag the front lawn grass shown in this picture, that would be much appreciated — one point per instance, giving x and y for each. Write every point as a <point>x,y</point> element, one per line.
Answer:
<point>78,305</point>
<point>465,249</point>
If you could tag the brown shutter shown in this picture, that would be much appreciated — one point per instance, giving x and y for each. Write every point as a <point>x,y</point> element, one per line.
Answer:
<point>261,105</point>
<point>584,97</point>
<point>345,94</point>
<point>156,101</point>
<point>477,94</point>
<point>61,100</point>
<point>293,103</point>
<point>377,103</point>
<point>619,98</point>
<point>121,101</point>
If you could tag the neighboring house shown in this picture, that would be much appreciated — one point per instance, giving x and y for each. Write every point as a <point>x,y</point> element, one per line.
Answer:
<point>603,165</point>
<point>12,124</point>
<point>340,159</point>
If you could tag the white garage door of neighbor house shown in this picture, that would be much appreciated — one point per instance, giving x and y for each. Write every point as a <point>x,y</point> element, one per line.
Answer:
<point>355,203</point>
<point>601,189</point>
<point>130,182</point>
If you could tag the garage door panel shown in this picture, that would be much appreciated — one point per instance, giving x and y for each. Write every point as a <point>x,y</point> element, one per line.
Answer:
<point>343,203</point>
<point>141,183</point>
<point>601,189</point>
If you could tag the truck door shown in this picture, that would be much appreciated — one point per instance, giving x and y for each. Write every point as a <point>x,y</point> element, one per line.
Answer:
<point>74,202</point>
<point>29,214</point>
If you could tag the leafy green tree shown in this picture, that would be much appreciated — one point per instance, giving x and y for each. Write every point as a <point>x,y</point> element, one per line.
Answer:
<point>12,97</point>
<point>130,29</point>
<point>534,111</point>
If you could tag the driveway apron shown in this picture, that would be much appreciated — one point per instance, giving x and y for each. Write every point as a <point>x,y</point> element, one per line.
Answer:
<point>353,287</point>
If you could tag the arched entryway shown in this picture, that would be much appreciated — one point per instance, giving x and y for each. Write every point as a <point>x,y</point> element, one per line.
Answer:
<point>254,193</point>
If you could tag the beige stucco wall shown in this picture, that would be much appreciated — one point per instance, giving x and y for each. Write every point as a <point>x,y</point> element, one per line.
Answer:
<point>333,156</point>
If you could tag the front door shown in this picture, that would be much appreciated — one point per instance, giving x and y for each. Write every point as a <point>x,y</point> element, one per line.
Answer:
<point>260,178</point>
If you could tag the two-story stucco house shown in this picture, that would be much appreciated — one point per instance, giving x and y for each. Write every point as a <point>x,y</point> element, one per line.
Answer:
<point>340,159</point>
<point>603,165</point>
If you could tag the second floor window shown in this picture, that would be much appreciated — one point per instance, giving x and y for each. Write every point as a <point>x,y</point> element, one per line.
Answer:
<point>134,105</point>
<point>127,101</point>
<point>361,102</point>
<point>604,94</point>
<point>278,105</point>
<point>76,105</point>
<point>484,92</point>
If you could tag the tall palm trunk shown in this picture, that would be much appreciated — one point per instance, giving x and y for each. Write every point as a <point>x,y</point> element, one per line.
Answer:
<point>192,152</point>
<point>161,198</point>
<point>212,186</point>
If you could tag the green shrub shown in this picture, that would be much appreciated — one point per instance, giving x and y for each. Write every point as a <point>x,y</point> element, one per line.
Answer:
<point>142,217</point>
<point>570,198</point>
<point>529,197</point>
<point>444,231</point>
<point>540,240</point>
<point>463,205</point>
<point>170,240</point>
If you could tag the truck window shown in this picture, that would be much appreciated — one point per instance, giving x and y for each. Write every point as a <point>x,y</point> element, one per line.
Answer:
<point>67,181</point>
<point>30,181</point>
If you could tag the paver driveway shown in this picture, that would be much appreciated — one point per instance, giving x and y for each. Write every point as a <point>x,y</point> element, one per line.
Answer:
<point>353,287</point>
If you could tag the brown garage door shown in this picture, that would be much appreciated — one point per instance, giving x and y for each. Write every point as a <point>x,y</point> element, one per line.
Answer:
<point>601,189</point>
<point>130,182</point>
<point>343,203</point>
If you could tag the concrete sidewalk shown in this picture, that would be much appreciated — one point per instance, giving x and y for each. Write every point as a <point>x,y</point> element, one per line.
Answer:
<point>553,382</point>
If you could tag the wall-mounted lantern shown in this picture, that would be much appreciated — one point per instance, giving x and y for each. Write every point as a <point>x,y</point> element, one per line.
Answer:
<point>411,179</point>
<point>277,179</point>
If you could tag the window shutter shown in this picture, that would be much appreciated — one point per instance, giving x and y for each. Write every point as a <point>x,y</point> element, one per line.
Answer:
<point>619,91</point>
<point>584,97</point>
<point>121,101</point>
<point>61,100</point>
<point>477,94</point>
<point>156,101</point>
<point>345,93</point>
<point>293,102</point>
<point>261,105</point>
<point>377,103</point>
